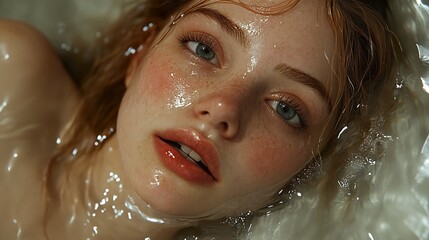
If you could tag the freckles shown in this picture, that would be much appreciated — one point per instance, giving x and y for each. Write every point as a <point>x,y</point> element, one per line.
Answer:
<point>155,81</point>
<point>166,83</point>
<point>272,159</point>
<point>265,155</point>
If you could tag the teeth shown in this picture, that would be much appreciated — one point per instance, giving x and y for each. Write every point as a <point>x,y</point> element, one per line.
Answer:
<point>195,156</point>
<point>185,148</point>
<point>191,153</point>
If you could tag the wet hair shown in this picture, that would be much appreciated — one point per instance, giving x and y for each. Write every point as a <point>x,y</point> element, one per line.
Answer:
<point>364,57</point>
<point>364,63</point>
<point>362,69</point>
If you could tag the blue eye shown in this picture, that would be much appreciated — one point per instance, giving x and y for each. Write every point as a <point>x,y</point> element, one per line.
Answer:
<point>202,50</point>
<point>287,112</point>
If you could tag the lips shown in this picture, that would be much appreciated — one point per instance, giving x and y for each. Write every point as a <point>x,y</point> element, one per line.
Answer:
<point>189,155</point>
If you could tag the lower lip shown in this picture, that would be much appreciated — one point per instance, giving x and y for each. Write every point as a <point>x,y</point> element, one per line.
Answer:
<point>181,166</point>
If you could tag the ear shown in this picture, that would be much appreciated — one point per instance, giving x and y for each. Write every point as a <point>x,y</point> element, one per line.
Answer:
<point>132,67</point>
<point>137,57</point>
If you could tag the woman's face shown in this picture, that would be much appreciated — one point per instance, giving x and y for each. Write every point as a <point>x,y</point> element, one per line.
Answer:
<point>243,94</point>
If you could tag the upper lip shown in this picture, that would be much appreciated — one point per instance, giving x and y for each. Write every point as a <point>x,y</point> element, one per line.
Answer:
<point>197,142</point>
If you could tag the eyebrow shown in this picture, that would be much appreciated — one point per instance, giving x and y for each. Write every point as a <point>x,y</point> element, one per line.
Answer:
<point>226,24</point>
<point>305,79</point>
<point>234,30</point>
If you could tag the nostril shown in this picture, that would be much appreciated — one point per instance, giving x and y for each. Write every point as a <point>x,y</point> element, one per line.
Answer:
<point>220,113</point>
<point>224,126</point>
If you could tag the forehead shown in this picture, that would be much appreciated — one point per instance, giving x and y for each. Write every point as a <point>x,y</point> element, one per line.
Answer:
<point>297,31</point>
<point>271,14</point>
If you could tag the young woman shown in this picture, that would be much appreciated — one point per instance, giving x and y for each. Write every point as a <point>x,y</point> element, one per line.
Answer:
<point>196,110</point>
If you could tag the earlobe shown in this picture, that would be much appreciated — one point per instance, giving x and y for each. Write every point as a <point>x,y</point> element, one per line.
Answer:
<point>132,67</point>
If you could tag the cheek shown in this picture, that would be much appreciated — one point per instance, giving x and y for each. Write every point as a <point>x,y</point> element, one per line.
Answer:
<point>275,160</point>
<point>164,83</point>
<point>263,163</point>
<point>154,80</point>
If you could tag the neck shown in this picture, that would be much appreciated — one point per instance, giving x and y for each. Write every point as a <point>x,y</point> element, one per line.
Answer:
<point>95,199</point>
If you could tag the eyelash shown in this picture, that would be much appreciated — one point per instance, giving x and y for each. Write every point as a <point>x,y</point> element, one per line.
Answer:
<point>201,38</point>
<point>300,112</point>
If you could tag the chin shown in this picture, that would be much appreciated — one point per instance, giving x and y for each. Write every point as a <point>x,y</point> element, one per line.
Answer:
<point>174,198</point>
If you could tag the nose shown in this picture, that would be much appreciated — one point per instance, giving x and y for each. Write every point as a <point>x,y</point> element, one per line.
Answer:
<point>221,111</point>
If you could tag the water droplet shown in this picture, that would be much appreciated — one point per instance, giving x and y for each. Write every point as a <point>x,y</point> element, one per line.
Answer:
<point>65,47</point>
<point>74,152</point>
<point>130,51</point>
<point>3,105</point>
<point>4,54</point>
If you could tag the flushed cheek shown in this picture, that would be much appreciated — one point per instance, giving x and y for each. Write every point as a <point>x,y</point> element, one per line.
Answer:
<point>155,81</point>
<point>165,83</point>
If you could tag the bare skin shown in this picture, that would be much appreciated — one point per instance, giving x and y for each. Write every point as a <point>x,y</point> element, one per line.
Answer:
<point>37,99</point>
<point>36,104</point>
<point>97,198</point>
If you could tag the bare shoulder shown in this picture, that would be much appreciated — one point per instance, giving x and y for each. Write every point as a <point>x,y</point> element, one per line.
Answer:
<point>27,58</point>
<point>31,73</point>
<point>37,95</point>
<point>37,99</point>
<point>23,52</point>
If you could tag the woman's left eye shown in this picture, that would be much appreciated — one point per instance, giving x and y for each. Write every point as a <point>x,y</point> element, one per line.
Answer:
<point>202,45</point>
<point>203,50</point>
<point>288,113</point>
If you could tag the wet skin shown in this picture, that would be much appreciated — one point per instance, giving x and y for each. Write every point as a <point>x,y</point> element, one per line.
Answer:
<point>234,92</point>
<point>249,102</point>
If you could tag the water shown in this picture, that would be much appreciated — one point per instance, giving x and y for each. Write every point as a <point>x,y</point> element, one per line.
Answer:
<point>395,207</point>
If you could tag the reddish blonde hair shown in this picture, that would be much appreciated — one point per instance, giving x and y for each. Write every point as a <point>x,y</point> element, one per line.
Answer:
<point>362,69</point>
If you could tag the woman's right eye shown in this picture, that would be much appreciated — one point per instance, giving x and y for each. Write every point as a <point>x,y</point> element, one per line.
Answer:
<point>203,50</point>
